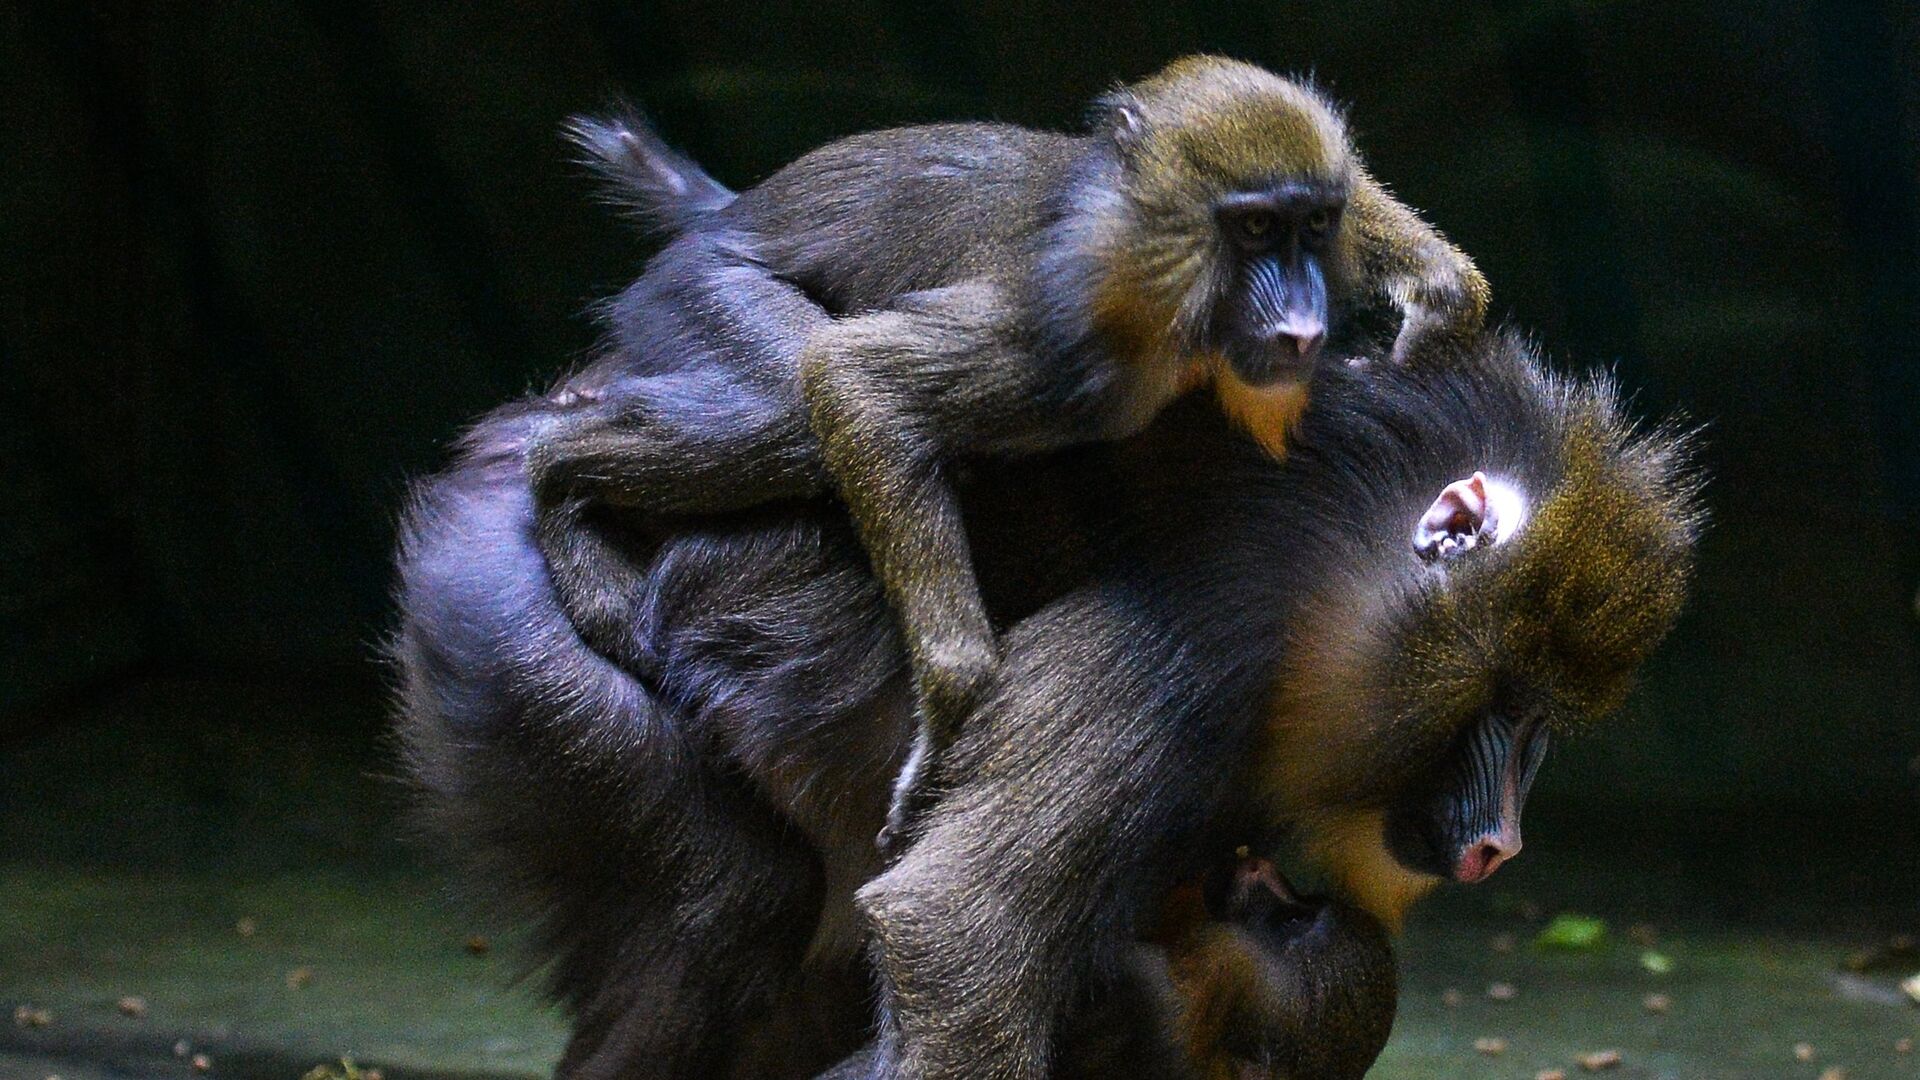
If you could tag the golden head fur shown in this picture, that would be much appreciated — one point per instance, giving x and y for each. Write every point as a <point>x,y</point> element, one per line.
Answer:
<point>1202,128</point>
<point>1395,656</point>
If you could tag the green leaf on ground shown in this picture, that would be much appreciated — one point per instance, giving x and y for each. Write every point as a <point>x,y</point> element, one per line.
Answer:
<point>1570,931</point>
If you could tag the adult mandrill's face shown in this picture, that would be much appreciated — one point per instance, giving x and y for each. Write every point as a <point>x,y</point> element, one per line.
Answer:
<point>1465,822</point>
<point>1441,766</point>
<point>1462,820</point>
<point>1488,554</point>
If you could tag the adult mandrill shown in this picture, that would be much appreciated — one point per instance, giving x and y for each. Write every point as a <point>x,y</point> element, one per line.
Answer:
<point>1368,643</point>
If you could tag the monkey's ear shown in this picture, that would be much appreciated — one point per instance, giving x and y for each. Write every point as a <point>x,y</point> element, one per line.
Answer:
<point>1467,513</point>
<point>1119,115</point>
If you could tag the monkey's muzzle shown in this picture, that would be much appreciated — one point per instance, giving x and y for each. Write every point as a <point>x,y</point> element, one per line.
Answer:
<point>1281,322</point>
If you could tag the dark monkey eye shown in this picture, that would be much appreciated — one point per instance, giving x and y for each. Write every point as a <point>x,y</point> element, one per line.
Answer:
<point>1320,222</point>
<point>1256,224</point>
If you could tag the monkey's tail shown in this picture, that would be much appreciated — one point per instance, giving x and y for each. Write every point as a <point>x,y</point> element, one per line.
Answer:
<point>664,191</point>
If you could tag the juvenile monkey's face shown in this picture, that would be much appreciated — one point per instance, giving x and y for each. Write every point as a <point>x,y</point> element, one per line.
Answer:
<point>1237,182</point>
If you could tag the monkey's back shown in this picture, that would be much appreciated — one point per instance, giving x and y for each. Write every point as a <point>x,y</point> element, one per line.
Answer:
<point>869,217</point>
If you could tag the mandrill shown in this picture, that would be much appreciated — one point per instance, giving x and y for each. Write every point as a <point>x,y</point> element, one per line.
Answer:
<point>1368,644</point>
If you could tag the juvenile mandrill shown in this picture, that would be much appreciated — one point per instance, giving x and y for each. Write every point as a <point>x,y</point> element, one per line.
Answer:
<point>1242,979</point>
<point>916,295</point>
<point>1368,644</point>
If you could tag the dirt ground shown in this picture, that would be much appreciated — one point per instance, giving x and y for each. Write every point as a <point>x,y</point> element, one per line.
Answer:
<point>257,901</point>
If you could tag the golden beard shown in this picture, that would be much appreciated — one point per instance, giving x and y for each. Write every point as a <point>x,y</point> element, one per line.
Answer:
<point>1350,847</point>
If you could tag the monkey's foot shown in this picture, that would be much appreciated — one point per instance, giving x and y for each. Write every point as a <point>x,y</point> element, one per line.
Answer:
<point>897,834</point>
<point>891,840</point>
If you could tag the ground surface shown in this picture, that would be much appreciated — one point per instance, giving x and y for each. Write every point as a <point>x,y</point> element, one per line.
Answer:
<point>139,885</point>
<point>393,984</point>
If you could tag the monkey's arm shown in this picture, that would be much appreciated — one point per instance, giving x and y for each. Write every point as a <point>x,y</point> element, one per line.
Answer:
<point>893,396</point>
<point>1074,791</point>
<point>1441,294</point>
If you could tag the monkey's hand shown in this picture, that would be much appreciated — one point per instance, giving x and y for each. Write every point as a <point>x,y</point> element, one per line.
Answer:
<point>1441,294</point>
<point>1426,333</point>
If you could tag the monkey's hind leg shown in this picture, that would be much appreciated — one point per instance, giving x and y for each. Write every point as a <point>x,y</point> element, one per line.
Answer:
<point>892,395</point>
<point>676,444</point>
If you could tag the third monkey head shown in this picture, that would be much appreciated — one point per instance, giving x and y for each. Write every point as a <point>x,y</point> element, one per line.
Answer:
<point>1504,553</point>
<point>1280,986</point>
<point>1233,190</point>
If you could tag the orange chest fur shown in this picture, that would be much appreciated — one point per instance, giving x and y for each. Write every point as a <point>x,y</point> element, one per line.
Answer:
<point>1160,371</point>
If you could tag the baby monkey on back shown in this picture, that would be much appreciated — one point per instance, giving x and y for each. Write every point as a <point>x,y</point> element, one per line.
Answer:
<point>893,301</point>
<point>1242,979</point>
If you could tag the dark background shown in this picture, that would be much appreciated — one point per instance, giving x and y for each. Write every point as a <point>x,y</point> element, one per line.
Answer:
<point>259,261</point>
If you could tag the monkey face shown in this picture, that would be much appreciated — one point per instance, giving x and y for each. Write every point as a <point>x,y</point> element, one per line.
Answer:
<point>1272,318</point>
<point>1456,814</point>
<point>1281,986</point>
<point>1420,691</point>
<point>1236,183</point>
<point>1463,819</point>
<point>1468,821</point>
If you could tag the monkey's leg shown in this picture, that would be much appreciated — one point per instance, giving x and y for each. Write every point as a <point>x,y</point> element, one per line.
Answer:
<point>1077,787</point>
<point>600,580</point>
<point>893,395</point>
<point>1441,294</point>
<point>717,425</point>
<point>688,442</point>
<point>683,442</point>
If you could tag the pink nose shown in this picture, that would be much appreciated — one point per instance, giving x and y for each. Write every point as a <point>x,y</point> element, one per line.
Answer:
<point>1306,335</point>
<point>1481,859</point>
